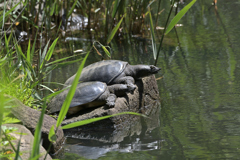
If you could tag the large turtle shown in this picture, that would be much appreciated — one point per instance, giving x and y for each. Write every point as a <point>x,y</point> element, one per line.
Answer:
<point>115,72</point>
<point>88,94</point>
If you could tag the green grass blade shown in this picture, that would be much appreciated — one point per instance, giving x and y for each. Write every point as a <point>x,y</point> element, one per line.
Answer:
<point>34,43</point>
<point>3,16</point>
<point>27,66</point>
<point>51,49</point>
<point>115,8</point>
<point>52,136</point>
<point>62,59</point>
<point>8,12</point>
<point>71,10</point>
<point>70,94</point>
<point>152,35</point>
<point>43,55</point>
<point>29,52</point>
<point>55,93</point>
<point>37,134</point>
<point>17,156</point>
<point>106,51</point>
<point>67,63</point>
<point>110,37</point>
<point>6,43</point>
<point>53,8</point>
<point>179,16</point>
<point>87,121</point>
<point>1,110</point>
<point>47,88</point>
<point>104,48</point>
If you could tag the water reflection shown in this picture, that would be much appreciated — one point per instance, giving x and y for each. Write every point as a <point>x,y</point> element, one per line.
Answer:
<point>129,136</point>
<point>199,89</point>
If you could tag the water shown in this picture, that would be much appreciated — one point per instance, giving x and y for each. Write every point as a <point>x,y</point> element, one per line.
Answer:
<point>200,97</point>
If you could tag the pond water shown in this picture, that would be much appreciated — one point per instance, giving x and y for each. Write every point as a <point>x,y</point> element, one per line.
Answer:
<point>199,90</point>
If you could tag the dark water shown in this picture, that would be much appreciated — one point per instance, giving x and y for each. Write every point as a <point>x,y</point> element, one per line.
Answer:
<point>200,97</point>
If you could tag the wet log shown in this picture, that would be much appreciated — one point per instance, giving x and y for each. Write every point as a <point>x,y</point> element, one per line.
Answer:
<point>30,117</point>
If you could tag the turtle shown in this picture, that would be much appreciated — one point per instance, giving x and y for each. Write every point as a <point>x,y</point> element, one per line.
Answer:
<point>87,95</point>
<point>115,72</point>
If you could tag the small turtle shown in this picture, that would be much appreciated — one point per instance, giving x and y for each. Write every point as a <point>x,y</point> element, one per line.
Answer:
<point>115,72</point>
<point>88,94</point>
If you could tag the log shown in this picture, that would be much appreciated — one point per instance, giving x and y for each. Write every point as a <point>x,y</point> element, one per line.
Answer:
<point>144,100</point>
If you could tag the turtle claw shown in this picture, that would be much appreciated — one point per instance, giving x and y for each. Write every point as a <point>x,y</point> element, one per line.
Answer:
<point>111,100</point>
<point>131,87</point>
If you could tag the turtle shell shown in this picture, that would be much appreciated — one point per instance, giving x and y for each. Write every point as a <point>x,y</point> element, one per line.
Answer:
<point>85,92</point>
<point>104,71</point>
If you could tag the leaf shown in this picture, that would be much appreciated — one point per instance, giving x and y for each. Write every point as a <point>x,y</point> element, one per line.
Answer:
<point>110,37</point>
<point>37,134</point>
<point>1,109</point>
<point>70,94</point>
<point>71,10</point>
<point>103,47</point>
<point>179,16</point>
<point>152,35</point>
<point>87,121</point>
<point>17,156</point>
<point>55,93</point>
<point>51,49</point>
<point>106,51</point>
<point>8,12</point>
<point>59,60</point>
<point>52,136</point>
<point>47,88</point>
<point>115,8</point>
<point>29,52</point>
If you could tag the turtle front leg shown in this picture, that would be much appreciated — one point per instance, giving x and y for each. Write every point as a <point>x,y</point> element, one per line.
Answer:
<point>111,100</point>
<point>118,89</point>
<point>129,81</point>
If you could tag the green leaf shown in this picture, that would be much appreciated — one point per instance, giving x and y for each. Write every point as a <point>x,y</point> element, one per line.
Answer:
<point>42,56</point>
<point>37,134</point>
<point>51,49</point>
<point>110,37</point>
<point>55,93</point>
<point>152,35</point>
<point>87,121</point>
<point>17,156</point>
<point>6,42</point>
<point>29,52</point>
<point>179,16</point>
<point>62,59</point>
<point>115,8</point>
<point>104,48</point>
<point>47,88</point>
<point>71,10</point>
<point>52,136</point>
<point>70,94</point>
<point>8,12</point>
<point>106,51</point>
<point>1,109</point>
<point>53,8</point>
<point>34,43</point>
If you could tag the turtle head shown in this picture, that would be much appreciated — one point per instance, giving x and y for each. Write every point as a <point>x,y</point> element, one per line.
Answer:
<point>146,70</point>
<point>154,69</point>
